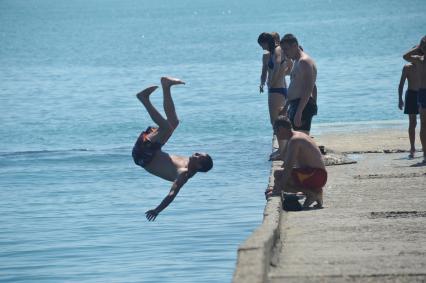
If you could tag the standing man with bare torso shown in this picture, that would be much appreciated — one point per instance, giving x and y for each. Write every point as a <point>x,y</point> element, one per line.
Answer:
<point>301,104</point>
<point>417,57</point>
<point>409,104</point>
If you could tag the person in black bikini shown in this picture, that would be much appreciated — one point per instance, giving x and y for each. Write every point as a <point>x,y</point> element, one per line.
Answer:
<point>278,67</point>
<point>147,151</point>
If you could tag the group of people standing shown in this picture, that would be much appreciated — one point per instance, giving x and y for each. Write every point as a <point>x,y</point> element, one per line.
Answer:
<point>415,96</point>
<point>291,110</point>
<point>284,57</point>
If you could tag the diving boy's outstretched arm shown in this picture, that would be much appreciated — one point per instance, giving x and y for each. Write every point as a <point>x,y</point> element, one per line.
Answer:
<point>177,185</point>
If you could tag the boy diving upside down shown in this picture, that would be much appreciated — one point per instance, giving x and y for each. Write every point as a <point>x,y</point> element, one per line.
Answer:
<point>147,151</point>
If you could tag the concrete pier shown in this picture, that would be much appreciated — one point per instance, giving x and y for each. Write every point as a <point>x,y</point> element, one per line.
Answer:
<point>372,227</point>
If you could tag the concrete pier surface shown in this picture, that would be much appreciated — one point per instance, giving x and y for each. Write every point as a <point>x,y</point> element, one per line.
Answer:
<point>372,227</point>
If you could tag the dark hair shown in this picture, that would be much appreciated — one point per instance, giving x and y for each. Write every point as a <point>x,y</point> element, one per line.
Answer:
<point>276,37</point>
<point>282,121</point>
<point>289,39</point>
<point>206,163</point>
<point>265,37</point>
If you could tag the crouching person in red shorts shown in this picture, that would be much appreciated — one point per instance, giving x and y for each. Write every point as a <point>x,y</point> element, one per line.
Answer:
<point>303,169</point>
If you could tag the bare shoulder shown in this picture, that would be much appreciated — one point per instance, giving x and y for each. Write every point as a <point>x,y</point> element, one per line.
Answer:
<point>278,48</point>
<point>296,139</point>
<point>307,59</point>
<point>266,55</point>
<point>306,63</point>
<point>302,138</point>
<point>408,67</point>
<point>183,173</point>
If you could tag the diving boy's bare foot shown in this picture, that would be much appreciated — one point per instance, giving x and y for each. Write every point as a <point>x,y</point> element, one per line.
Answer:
<point>168,81</point>
<point>144,94</point>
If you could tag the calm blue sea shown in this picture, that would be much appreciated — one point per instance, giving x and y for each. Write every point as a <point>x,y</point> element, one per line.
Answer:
<point>72,202</point>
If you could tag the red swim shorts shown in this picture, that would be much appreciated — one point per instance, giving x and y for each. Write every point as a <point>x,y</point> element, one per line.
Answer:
<point>309,178</point>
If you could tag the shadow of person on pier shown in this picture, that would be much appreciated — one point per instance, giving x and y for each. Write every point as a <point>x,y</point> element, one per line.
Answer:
<point>419,164</point>
<point>291,203</point>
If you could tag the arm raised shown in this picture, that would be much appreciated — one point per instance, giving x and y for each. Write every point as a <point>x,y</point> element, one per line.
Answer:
<point>414,55</point>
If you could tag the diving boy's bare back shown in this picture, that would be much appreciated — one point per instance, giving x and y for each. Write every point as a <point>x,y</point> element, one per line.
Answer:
<point>148,153</point>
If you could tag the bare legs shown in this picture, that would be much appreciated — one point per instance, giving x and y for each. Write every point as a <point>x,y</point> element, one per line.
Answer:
<point>166,126</point>
<point>412,133</point>
<point>312,195</point>
<point>276,102</point>
<point>169,106</point>
<point>423,131</point>
<point>143,97</point>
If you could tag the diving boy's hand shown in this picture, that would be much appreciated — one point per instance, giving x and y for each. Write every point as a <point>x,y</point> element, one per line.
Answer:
<point>151,214</point>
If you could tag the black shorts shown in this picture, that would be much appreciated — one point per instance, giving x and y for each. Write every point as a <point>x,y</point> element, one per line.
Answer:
<point>144,150</point>
<point>410,103</point>
<point>310,111</point>
<point>421,98</point>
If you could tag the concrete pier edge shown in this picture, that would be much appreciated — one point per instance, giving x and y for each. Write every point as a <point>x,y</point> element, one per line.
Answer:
<point>255,255</point>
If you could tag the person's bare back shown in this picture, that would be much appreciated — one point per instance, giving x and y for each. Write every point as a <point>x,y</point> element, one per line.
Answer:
<point>303,167</point>
<point>307,152</point>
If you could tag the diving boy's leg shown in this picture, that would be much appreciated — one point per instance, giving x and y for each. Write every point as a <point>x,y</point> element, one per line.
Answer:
<point>164,130</point>
<point>169,106</point>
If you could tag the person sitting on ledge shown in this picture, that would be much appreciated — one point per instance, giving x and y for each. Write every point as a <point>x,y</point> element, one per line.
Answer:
<point>303,169</point>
